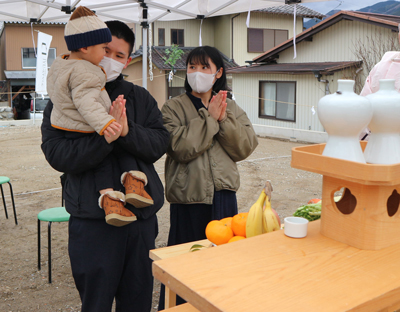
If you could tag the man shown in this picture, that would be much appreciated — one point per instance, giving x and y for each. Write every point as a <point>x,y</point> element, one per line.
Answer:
<point>110,262</point>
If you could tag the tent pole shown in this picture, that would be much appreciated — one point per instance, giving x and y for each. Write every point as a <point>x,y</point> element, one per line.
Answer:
<point>145,26</point>
<point>144,57</point>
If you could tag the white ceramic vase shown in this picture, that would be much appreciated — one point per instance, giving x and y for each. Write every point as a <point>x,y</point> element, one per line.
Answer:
<point>344,115</point>
<point>383,145</point>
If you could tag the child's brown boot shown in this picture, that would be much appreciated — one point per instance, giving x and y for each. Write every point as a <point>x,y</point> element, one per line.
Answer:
<point>135,194</point>
<point>113,204</point>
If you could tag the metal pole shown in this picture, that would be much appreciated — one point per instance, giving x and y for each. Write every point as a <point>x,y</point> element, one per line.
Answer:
<point>144,58</point>
<point>145,26</point>
<point>34,108</point>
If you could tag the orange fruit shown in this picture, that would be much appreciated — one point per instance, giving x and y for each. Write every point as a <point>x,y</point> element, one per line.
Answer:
<point>227,221</point>
<point>314,201</point>
<point>218,233</point>
<point>236,238</point>
<point>239,224</point>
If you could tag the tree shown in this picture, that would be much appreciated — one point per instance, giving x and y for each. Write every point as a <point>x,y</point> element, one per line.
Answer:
<point>174,54</point>
<point>371,54</point>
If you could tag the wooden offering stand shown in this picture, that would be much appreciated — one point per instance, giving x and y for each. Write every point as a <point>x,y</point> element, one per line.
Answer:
<point>367,216</point>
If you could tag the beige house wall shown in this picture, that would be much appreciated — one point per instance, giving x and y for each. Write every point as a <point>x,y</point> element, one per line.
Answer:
<point>334,44</point>
<point>259,20</point>
<point>223,34</point>
<point>2,56</point>
<point>179,79</point>
<point>308,92</point>
<point>20,36</point>
<point>134,73</point>
<point>157,87</point>
<point>339,43</point>
<point>191,32</point>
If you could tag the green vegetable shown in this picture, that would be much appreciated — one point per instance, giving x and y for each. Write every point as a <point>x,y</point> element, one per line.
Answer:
<point>196,247</point>
<point>310,212</point>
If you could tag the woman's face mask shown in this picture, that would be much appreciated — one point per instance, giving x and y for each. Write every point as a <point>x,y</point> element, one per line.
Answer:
<point>201,82</point>
<point>112,68</point>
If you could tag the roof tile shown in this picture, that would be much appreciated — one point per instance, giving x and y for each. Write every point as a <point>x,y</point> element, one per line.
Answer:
<point>159,56</point>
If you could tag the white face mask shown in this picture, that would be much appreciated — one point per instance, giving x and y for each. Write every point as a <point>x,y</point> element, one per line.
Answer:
<point>201,82</point>
<point>112,68</point>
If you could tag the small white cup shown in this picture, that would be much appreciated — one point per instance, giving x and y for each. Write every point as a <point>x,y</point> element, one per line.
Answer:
<point>295,227</point>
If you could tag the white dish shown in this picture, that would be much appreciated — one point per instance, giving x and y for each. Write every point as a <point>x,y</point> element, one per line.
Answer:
<point>296,227</point>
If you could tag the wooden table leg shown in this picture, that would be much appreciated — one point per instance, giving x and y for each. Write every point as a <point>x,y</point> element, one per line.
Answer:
<point>170,298</point>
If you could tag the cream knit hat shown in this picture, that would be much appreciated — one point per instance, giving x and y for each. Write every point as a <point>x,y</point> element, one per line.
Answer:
<point>85,29</point>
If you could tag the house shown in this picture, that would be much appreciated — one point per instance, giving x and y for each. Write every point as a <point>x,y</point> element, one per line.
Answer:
<point>280,94</point>
<point>18,42</point>
<point>229,33</point>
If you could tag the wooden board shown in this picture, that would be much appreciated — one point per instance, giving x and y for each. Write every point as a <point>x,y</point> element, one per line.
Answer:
<point>182,308</point>
<point>366,221</point>
<point>310,158</point>
<point>173,251</point>
<point>272,272</point>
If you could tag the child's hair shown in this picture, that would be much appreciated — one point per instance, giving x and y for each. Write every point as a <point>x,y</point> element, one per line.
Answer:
<point>122,31</point>
<point>201,55</point>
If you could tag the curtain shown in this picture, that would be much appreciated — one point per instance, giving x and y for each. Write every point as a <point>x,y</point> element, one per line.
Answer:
<point>268,97</point>
<point>285,100</point>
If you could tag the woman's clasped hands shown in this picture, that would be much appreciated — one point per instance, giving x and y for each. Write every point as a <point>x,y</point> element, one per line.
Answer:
<point>217,106</point>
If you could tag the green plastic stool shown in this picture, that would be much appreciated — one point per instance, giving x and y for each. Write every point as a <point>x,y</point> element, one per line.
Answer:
<point>57,214</point>
<point>2,181</point>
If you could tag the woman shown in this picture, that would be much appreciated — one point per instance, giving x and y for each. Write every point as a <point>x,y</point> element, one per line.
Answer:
<point>209,134</point>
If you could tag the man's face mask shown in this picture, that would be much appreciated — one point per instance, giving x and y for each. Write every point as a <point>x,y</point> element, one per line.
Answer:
<point>112,68</point>
<point>201,82</point>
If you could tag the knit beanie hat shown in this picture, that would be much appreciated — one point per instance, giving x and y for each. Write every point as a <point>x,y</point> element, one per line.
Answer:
<point>85,29</point>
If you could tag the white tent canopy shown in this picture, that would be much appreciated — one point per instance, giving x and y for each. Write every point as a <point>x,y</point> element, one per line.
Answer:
<point>132,11</point>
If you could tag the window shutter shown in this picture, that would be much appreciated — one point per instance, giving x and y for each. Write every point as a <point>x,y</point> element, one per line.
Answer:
<point>280,36</point>
<point>254,40</point>
<point>269,39</point>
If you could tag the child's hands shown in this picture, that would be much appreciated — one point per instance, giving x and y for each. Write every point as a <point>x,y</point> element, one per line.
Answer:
<point>112,132</point>
<point>118,111</point>
<point>217,106</point>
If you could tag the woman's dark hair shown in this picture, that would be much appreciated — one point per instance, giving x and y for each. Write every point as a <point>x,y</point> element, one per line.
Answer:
<point>122,31</point>
<point>201,55</point>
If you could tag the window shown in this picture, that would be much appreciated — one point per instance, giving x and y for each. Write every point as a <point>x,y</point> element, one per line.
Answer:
<point>277,100</point>
<point>29,58</point>
<point>261,40</point>
<point>177,37</point>
<point>161,36</point>
<point>175,91</point>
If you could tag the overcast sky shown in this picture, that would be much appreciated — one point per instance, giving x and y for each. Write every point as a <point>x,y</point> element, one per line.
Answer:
<point>325,7</point>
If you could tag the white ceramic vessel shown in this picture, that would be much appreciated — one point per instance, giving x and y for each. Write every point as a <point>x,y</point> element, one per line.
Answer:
<point>344,115</point>
<point>295,227</point>
<point>383,146</point>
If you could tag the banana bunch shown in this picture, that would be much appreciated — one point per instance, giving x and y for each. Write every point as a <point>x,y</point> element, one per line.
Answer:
<point>261,218</point>
<point>254,223</point>
<point>270,219</point>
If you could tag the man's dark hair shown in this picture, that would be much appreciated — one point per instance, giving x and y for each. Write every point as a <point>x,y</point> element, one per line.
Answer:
<point>122,31</point>
<point>201,55</point>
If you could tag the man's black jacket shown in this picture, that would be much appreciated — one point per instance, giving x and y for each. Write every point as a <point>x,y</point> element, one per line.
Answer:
<point>77,154</point>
